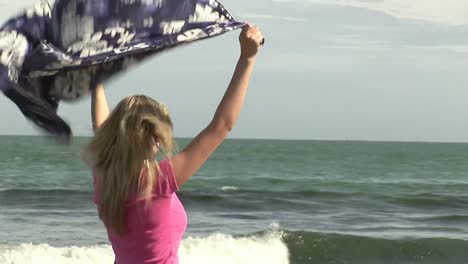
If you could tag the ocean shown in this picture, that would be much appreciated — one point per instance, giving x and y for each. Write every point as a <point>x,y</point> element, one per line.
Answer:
<point>255,201</point>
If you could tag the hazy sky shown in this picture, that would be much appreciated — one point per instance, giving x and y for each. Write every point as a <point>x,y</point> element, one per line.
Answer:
<point>331,69</point>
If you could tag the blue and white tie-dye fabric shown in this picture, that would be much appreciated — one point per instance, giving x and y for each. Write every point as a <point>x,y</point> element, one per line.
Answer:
<point>61,53</point>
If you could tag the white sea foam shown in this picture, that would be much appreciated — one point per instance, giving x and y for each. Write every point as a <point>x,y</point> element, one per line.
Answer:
<point>39,254</point>
<point>217,248</point>
<point>228,250</point>
<point>229,188</point>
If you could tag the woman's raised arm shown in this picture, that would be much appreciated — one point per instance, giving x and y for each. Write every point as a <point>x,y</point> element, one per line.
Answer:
<point>188,161</point>
<point>99,107</point>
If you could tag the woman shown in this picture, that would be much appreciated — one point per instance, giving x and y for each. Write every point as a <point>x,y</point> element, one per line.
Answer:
<point>135,194</point>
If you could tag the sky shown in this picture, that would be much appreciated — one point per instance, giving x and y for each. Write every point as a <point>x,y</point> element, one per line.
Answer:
<point>378,70</point>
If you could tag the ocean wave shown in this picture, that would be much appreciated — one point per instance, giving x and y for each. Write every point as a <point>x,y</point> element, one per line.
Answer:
<point>287,199</point>
<point>273,246</point>
<point>42,191</point>
<point>314,247</point>
<point>429,200</point>
<point>248,199</point>
<point>45,199</point>
<point>455,218</point>
<point>217,248</point>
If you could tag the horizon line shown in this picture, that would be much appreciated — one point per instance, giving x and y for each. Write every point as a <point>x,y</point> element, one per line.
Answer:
<point>279,139</point>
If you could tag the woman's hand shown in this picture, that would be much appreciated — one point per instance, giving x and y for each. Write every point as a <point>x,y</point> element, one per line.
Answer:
<point>251,38</point>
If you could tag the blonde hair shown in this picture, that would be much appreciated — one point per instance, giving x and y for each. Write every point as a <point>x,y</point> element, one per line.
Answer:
<point>122,155</point>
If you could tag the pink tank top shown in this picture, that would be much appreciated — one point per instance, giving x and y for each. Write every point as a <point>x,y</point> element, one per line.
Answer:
<point>153,233</point>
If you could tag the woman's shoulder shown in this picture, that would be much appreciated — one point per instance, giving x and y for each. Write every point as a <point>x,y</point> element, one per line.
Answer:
<point>166,181</point>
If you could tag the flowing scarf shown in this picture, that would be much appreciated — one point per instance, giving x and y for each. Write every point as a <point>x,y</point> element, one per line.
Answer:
<point>52,54</point>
